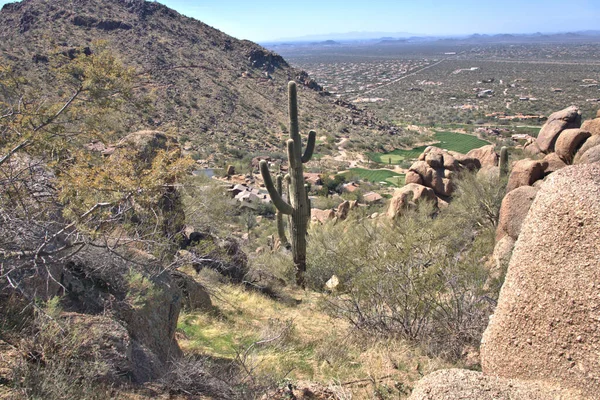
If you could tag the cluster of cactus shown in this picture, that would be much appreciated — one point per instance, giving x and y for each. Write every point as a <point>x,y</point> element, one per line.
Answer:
<point>297,206</point>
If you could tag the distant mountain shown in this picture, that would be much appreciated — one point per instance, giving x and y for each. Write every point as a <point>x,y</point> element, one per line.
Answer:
<point>219,92</point>
<point>348,36</point>
<point>403,37</point>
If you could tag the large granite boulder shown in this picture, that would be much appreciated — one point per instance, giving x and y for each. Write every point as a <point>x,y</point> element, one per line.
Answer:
<point>592,125</point>
<point>554,163</point>
<point>462,384</point>
<point>592,141</point>
<point>568,142</point>
<point>513,211</point>
<point>545,324</point>
<point>408,197</point>
<point>525,172</point>
<point>591,156</point>
<point>486,155</point>
<point>570,117</point>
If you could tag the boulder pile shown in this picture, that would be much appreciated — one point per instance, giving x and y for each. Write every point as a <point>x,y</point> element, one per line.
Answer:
<point>432,176</point>
<point>542,341</point>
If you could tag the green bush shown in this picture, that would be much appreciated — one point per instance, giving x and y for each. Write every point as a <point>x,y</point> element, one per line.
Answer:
<point>421,278</point>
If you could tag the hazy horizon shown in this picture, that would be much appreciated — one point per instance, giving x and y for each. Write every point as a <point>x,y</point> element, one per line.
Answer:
<point>269,21</point>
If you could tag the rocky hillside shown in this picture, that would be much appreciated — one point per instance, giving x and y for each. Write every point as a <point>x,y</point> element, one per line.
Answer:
<point>218,92</point>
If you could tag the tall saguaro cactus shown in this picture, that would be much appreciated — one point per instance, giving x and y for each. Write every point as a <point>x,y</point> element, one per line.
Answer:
<point>298,207</point>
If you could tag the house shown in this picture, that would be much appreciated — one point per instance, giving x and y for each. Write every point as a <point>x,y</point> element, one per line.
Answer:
<point>350,187</point>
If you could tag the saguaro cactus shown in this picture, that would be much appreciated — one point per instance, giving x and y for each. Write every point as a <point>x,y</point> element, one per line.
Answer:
<point>503,162</point>
<point>298,207</point>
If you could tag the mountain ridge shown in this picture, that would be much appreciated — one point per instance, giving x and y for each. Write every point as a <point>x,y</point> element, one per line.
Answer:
<point>219,93</point>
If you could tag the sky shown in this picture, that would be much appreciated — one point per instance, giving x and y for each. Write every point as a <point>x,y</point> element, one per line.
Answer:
<point>271,20</point>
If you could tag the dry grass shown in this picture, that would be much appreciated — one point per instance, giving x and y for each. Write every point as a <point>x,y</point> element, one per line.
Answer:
<point>296,343</point>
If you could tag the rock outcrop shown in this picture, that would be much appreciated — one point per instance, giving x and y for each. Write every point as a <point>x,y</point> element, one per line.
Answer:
<point>525,172</point>
<point>513,211</point>
<point>486,155</point>
<point>570,117</point>
<point>407,197</point>
<point>461,384</point>
<point>544,327</point>
<point>568,142</point>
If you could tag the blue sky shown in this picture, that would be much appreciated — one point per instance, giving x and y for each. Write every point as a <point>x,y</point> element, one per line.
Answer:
<point>265,20</point>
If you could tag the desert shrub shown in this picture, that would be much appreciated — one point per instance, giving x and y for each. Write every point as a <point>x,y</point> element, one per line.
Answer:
<point>55,362</point>
<point>420,278</point>
<point>206,206</point>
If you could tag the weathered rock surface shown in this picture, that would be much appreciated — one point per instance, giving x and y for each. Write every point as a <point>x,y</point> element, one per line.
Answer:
<point>513,211</point>
<point>462,384</point>
<point>545,324</point>
<point>408,197</point>
<point>532,149</point>
<point>413,177</point>
<point>321,216</point>
<point>486,155</point>
<point>570,117</point>
<point>432,172</point>
<point>193,295</point>
<point>343,210</point>
<point>568,142</point>
<point>591,156</point>
<point>471,163</point>
<point>525,172</point>
<point>554,163</point>
<point>592,141</point>
<point>592,125</point>
<point>501,256</point>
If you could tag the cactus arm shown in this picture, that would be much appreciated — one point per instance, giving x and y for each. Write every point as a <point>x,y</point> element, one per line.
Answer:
<point>279,203</point>
<point>310,147</point>
<point>279,216</point>
<point>291,149</point>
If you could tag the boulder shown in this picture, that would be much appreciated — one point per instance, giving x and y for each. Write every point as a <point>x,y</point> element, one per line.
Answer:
<point>570,117</point>
<point>554,163</point>
<point>513,211</point>
<point>592,141</point>
<point>461,384</point>
<point>545,324</point>
<point>420,167</point>
<point>434,159</point>
<point>450,163</point>
<point>342,210</point>
<point>591,156</point>
<point>321,216</point>
<point>592,125</point>
<point>525,172</point>
<point>501,256</point>
<point>408,197</point>
<point>486,155</point>
<point>568,142</point>
<point>144,300</point>
<point>471,163</point>
<point>532,149</point>
<point>194,295</point>
<point>413,177</point>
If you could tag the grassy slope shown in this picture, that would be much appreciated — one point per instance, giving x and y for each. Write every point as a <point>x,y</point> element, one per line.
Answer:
<point>445,140</point>
<point>316,348</point>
